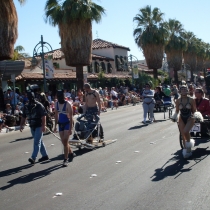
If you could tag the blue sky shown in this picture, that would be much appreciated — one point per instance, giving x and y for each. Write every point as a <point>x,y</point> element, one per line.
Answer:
<point>117,25</point>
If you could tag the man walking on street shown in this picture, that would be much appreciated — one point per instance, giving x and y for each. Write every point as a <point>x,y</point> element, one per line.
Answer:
<point>64,119</point>
<point>36,116</point>
<point>93,104</point>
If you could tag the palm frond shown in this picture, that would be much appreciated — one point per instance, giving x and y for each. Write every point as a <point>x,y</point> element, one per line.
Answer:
<point>57,11</point>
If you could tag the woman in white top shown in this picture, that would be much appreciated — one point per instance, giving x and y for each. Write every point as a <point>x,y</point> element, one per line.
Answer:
<point>148,103</point>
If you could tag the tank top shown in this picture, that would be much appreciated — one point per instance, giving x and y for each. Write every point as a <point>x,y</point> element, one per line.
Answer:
<point>62,114</point>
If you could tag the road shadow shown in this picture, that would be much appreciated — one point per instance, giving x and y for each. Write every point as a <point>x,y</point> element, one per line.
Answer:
<point>31,177</point>
<point>158,121</point>
<point>14,170</point>
<point>202,140</point>
<point>138,127</point>
<point>22,139</point>
<point>177,164</point>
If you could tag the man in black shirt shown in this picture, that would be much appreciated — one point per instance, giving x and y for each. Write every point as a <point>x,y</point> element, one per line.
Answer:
<point>36,116</point>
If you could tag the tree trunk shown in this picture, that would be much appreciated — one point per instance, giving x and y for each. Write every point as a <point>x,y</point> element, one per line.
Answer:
<point>191,76</point>
<point>154,55</point>
<point>8,29</point>
<point>176,77</point>
<point>155,73</point>
<point>76,42</point>
<point>80,77</point>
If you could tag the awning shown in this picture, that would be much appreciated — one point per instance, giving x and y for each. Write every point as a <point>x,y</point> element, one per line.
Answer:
<point>7,68</point>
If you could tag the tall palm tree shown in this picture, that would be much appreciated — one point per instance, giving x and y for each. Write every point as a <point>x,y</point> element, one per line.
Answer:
<point>151,36</point>
<point>74,19</point>
<point>207,60</point>
<point>8,28</point>
<point>176,45</point>
<point>201,55</point>
<point>189,54</point>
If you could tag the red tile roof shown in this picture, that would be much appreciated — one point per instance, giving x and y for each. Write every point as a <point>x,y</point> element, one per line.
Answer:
<point>63,76</point>
<point>99,44</point>
<point>58,54</point>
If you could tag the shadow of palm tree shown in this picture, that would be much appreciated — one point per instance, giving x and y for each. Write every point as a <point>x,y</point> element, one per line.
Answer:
<point>177,168</point>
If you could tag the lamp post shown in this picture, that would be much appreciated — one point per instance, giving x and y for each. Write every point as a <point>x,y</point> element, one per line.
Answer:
<point>36,53</point>
<point>165,66</point>
<point>130,57</point>
<point>186,67</point>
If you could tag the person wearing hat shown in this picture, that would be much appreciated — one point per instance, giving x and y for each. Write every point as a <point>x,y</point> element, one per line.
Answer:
<point>148,103</point>
<point>35,113</point>
<point>187,108</point>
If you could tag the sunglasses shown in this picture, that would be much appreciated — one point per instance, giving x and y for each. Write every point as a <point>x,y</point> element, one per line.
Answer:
<point>147,86</point>
<point>197,92</point>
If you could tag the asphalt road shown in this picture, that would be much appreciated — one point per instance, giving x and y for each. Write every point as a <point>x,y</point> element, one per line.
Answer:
<point>151,175</point>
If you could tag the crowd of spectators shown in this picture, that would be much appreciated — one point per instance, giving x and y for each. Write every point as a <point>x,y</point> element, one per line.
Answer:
<point>110,98</point>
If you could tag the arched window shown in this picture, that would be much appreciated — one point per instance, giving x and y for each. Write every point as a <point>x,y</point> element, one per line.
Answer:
<point>103,67</point>
<point>109,68</point>
<point>97,67</point>
<point>90,68</point>
<point>118,63</point>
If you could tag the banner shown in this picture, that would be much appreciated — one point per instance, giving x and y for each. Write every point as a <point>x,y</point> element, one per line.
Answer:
<point>49,69</point>
<point>85,74</point>
<point>135,72</point>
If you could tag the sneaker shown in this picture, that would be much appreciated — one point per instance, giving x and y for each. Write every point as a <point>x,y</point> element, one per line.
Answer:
<point>144,122</point>
<point>31,160</point>
<point>65,163</point>
<point>71,156</point>
<point>101,139</point>
<point>43,158</point>
<point>186,154</point>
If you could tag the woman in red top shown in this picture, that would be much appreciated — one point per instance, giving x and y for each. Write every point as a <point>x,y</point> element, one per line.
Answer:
<point>202,104</point>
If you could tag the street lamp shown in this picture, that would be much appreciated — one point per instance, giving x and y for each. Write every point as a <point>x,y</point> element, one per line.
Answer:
<point>165,67</point>
<point>36,53</point>
<point>186,67</point>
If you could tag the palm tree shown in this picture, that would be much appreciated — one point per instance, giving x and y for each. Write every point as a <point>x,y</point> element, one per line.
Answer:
<point>8,28</point>
<point>74,19</point>
<point>189,53</point>
<point>19,54</point>
<point>151,36</point>
<point>207,60</point>
<point>201,55</point>
<point>176,45</point>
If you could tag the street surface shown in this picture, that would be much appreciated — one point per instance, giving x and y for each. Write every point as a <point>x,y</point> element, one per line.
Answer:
<point>151,175</point>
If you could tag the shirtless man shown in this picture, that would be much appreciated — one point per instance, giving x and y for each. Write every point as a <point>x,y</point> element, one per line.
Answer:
<point>64,119</point>
<point>93,104</point>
